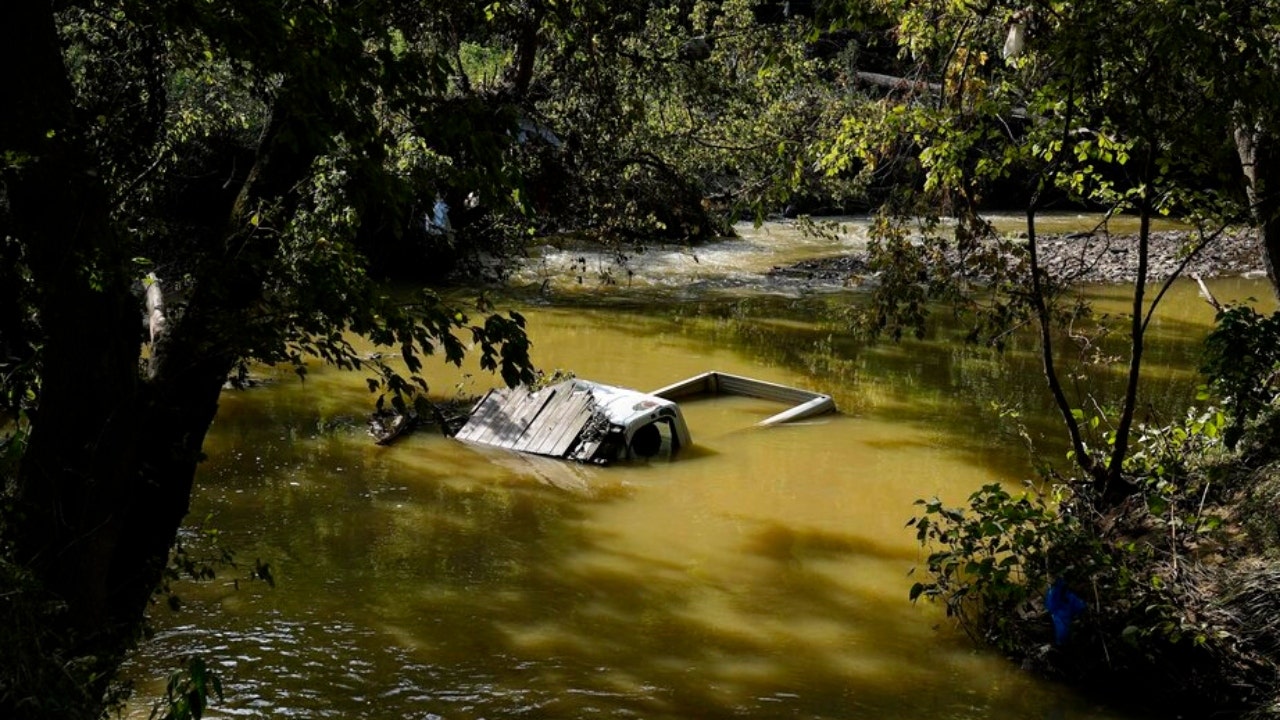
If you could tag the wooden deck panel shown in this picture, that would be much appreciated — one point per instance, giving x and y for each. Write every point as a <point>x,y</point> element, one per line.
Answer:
<point>498,423</point>
<point>546,422</point>
<point>493,422</point>
<point>565,425</point>
<point>526,413</point>
<point>476,427</point>
<point>577,424</point>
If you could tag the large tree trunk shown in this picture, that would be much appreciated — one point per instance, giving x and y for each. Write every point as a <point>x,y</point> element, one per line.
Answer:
<point>79,491</point>
<point>520,74</point>
<point>106,477</point>
<point>80,457</point>
<point>1261,167</point>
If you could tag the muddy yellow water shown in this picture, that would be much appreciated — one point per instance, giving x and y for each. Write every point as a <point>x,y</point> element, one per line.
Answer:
<point>763,573</point>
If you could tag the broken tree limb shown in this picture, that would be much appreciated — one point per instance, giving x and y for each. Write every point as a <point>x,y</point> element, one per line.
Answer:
<point>1204,293</point>
<point>922,87</point>
<point>155,308</point>
<point>156,320</point>
<point>898,83</point>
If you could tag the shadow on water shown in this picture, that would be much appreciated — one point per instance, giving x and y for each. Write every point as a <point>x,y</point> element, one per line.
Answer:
<point>421,587</point>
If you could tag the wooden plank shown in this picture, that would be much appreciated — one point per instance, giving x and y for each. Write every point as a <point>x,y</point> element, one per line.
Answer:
<point>565,426</point>
<point>588,415</point>
<point>548,422</point>
<point>563,422</point>
<point>481,408</point>
<point>545,420</point>
<point>520,413</point>
<point>496,421</point>
<point>573,428</point>
<point>535,422</point>
<point>503,417</point>
<point>477,424</point>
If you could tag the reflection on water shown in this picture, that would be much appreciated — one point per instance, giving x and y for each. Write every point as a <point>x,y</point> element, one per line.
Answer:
<point>762,574</point>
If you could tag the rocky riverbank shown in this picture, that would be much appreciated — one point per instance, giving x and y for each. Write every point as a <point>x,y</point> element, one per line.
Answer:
<point>1081,258</point>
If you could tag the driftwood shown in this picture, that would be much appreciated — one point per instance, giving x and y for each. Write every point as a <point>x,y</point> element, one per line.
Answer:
<point>157,322</point>
<point>898,83</point>
<point>1204,293</point>
<point>387,426</point>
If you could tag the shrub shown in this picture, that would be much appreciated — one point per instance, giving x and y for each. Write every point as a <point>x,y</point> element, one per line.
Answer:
<point>1241,360</point>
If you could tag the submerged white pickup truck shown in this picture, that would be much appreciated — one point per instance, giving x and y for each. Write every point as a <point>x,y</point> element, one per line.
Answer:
<point>596,423</point>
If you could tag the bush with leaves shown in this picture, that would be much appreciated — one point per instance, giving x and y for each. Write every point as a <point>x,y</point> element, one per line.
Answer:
<point>1241,360</point>
<point>991,562</point>
<point>1146,571</point>
<point>188,691</point>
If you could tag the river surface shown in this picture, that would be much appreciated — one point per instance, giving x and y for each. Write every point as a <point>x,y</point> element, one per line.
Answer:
<point>761,574</point>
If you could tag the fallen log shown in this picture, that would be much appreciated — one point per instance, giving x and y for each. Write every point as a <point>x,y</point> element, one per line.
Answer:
<point>898,83</point>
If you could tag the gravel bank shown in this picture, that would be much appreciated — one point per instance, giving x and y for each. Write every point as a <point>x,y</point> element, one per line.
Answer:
<point>1081,259</point>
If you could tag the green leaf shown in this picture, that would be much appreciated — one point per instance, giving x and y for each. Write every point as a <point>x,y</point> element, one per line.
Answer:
<point>916,590</point>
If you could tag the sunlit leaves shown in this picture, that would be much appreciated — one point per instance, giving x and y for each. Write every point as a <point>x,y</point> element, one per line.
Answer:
<point>989,561</point>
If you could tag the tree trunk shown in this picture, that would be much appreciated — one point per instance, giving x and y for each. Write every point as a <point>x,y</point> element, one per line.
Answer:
<point>1044,322</point>
<point>1258,161</point>
<point>520,74</point>
<point>1116,488</point>
<point>79,492</point>
<point>106,477</point>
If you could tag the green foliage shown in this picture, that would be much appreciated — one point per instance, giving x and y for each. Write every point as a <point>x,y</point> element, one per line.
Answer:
<point>188,692</point>
<point>1167,457</point>
<point>260,159</point>
<point>1115,107</point>
<point>1121,108</point>
<point>989,563</point>
<point>1241,359</point>
<point>672,116</point>
<point>483,63</point>
<point>1139,568</point>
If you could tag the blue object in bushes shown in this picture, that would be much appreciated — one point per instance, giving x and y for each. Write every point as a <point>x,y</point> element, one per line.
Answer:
<point>1063,606</point>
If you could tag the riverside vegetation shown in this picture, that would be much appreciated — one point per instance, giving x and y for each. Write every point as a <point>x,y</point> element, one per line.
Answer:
<point>274,166</point>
